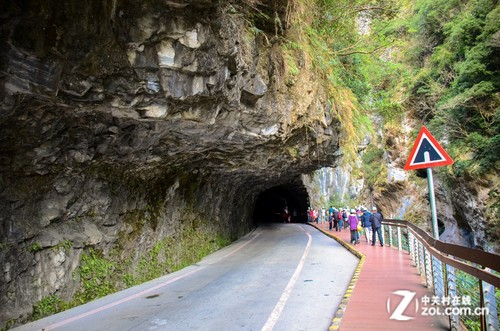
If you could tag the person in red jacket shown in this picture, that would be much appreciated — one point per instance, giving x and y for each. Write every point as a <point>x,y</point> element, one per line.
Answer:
<point>339,220</point>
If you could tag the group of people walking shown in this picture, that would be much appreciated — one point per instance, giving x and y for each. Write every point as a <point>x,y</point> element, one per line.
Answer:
<point>358,221</point>
<point>368,222</point>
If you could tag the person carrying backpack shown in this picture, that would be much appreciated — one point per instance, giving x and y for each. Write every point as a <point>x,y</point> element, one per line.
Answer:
<point>339,220</point>
<point>367,225</point>
<point>331,217</point>
<point>376,220</point>
<point>344,217</point>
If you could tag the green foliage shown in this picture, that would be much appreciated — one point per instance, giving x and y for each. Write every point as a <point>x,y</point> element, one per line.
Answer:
<point>96,276</point>
<point>358,63</point>
<point>346,61</point>
<point>172,254</point>
<point>5,246</point>
<point>487,149</point>
<point>492,229</point>
<point>368,62</point>
<point>150,266</point>
<point>9,324</point>
<point>457,78</point>
<point>49,305</point>
<point>468,285</point>
<point>66,245</point>
<point>372,165</point>
<point>100,276</point>
<point>290,51</point>
<point>35,247</point>
<point>293,152</point>
<point>338,201</point>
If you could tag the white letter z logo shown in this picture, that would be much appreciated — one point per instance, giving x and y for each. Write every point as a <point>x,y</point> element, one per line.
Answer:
<point>400,309</point>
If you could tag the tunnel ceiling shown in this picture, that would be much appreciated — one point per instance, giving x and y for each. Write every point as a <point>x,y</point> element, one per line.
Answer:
<point>146,86</point>
<point>150,94</point>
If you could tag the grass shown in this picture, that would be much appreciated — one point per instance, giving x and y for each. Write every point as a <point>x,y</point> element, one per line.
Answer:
<point>100,275</point>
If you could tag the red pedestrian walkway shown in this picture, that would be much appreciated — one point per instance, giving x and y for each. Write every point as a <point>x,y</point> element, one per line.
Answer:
<point>384,271</point>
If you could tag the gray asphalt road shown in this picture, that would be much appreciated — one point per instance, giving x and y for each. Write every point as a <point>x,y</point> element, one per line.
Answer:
<point>279,277</point>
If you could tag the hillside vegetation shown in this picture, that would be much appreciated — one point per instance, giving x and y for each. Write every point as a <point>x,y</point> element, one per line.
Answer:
<point>411,63</point>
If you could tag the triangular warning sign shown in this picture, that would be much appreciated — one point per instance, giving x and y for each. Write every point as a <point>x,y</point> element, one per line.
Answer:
<point>427,152</point>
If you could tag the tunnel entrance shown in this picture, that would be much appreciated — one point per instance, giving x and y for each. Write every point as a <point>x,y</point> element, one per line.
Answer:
<point>283,203</point>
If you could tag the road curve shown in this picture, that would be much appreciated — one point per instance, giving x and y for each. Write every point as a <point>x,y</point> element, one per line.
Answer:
<point>279,277</point>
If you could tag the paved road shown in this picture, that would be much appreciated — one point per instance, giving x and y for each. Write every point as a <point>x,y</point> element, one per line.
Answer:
<point>279,277</point>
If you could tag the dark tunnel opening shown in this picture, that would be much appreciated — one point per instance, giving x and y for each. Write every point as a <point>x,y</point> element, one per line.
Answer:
<point>282,204</point>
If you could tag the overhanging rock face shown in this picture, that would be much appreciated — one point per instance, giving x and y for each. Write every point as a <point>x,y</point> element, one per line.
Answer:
<point>123,123</point>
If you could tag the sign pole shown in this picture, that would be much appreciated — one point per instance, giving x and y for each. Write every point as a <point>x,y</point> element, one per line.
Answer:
<point>430,183</point>
<point>427,153</point>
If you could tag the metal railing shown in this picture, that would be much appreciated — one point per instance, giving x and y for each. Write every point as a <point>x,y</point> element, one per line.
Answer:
<point>465,282</point>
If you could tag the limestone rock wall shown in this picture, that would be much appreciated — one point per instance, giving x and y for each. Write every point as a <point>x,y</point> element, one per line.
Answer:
<point>126,123</point>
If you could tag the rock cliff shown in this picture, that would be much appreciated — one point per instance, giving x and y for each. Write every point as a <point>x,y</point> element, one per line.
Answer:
<point>134,126</point>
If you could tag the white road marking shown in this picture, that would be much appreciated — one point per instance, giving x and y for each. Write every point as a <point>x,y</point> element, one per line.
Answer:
<point>278,309</point>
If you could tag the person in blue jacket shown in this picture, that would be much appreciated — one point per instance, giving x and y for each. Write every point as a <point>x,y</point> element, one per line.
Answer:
<point>367,225</point>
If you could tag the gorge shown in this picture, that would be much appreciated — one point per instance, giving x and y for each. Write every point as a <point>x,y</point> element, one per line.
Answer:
<point>139,136</point>
<point>130,126</point>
